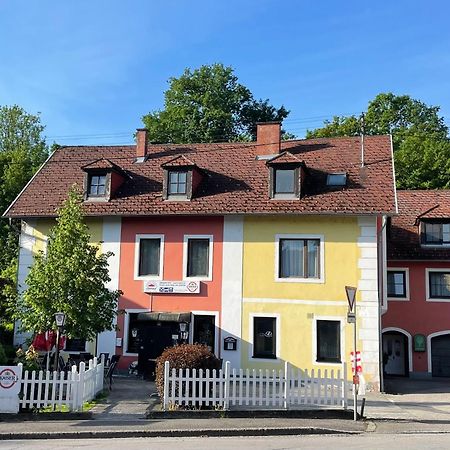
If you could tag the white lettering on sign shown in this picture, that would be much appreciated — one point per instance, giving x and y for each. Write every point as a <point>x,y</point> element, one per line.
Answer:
<point>171,287</point>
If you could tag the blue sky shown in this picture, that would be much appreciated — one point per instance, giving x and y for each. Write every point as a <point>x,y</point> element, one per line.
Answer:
<point>93,68</point>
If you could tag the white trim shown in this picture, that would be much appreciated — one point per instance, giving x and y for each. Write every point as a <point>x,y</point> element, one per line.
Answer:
<point>321,278</point>
<point>393,173</point>
<point>295,301</point>
<point>215,314</point>
<point>429,337</point>
<point>340,319</point>
<point>126,325</point>
<point>400,269</point>
<point>5,214</point>
<point>427,285</point>
<point>277,318</point>
<point>137,252</point>
<point>408,335</point>
<point>210,256</point>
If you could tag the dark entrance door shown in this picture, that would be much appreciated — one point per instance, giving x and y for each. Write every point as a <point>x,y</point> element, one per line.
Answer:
<point>440,356</point>
<point>154,337</point>
<point>205,331</point>
<point>395,353</point>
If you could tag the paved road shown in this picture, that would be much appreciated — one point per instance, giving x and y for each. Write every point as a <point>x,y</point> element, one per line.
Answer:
<point>379,442</point>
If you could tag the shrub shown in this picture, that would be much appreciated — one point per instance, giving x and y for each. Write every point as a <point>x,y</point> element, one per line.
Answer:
<point>185,356</point>
<point>3,358</point>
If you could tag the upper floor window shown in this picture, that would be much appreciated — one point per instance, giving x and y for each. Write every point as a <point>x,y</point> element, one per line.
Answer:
<point>284,181</point>
<point>177,183</point>
<point>97,185</point>
<point>439,284</point>
<point>396,284</point>
<point>148,256</point>
<point>299,258</point>
<point>435,233</point>
<point>198,258</point>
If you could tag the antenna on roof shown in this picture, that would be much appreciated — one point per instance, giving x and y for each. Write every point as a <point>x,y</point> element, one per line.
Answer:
<point>361,119</point>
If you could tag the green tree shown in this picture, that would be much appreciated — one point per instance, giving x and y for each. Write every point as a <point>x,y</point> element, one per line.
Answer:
<point>70,277</point>
<point>419,137</point>
<point>208,104</point>
<point>22,151</point>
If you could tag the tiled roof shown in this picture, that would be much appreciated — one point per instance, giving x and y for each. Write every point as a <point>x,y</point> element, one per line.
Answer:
<point>284,158</point>
<point>179,161</point>
<point>234,181</point>
<point>404,238</point>
<point>101,163</point>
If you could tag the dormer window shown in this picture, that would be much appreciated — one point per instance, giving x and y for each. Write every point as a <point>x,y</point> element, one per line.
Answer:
<point>177,183</point>
<point>97,185</point>
<point>285,176</point>
<point>436,233</point>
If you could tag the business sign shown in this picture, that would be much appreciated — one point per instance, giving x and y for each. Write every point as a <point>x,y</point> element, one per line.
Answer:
<point>10,377</point>
<point>171,287</point>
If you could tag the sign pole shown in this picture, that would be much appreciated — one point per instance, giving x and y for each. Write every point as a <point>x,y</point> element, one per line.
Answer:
<point>355,365</point>
<point>351,317</point>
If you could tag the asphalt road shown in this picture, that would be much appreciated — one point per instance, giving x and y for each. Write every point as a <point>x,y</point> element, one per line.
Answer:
<point>365,441</point>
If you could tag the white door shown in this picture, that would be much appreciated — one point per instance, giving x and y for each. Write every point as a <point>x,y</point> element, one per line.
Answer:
<point>394,354</point>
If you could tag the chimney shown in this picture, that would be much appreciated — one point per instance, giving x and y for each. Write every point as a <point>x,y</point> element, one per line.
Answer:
<point>268,138</point>
<point>141,142</point>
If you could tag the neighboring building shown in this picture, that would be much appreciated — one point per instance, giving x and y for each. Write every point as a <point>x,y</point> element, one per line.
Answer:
<point>416,319</point>
<point>271,230</point>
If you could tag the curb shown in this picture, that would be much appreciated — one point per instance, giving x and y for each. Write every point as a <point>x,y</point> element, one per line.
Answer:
<point>275,431</point>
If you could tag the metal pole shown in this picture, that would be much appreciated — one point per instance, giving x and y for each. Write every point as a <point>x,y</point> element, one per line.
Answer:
<point>57,351</point>
<point>355,365</point>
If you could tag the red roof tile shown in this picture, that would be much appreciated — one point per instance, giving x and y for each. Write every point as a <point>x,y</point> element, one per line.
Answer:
<point>179,161</point>
<point>284,158</point>
<point>404,237</point>
<point>234,182</point>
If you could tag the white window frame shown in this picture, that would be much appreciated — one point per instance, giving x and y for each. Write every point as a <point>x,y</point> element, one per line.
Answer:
<point>217,331</point>
<point>137,246</point>
<point>185,256</point>
<point>314,340</point>
<point>126,326</point>
<point>427,284</point>
<point>277,318</point>
<point>406,298</point>
<point>321,278</point>
<point>422,230</point>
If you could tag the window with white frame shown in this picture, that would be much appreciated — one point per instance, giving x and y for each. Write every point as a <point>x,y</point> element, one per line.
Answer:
<point>299,258</point>
<point>328,341</point>
<point>436,233</point>
<point>439,284</point>
<point>148,256</point>
<point>198,257</point>
<point>264,337</point>
<point>177,182</point>
<point>397,284</point>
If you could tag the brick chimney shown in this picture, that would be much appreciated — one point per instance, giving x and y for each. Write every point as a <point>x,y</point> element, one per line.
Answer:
<point>141,142</point>
<point>268,138</point>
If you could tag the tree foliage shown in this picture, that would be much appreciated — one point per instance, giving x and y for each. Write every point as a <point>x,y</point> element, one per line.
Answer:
<point>70,277</point>
<point>209,104</point>
<point>419,137</point>
<point>22,151</point>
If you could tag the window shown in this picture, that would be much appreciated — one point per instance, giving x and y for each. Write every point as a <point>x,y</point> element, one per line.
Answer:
<point>396,283</point>
<point>328,341</point>
<point>299,258</point>
<point>284,181</point>
<point>439,284</point>
<point>97,185</point>
<point>75,345</point>
<point>337,179</point>
<point>149,256</point>
<point>264,337</point>
<point>436,233</point>
<point>198,262</point>
<point>177,183</point>
<point>132,341</point>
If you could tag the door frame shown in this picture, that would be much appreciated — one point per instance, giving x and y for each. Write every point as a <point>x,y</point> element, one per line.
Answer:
<point>215,314</point>
<point>429,337</point>
<point>409,345</point>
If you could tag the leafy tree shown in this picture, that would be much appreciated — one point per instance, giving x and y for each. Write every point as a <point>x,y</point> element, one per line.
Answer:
<point>70,277</point>
<point>22,151</point>
<point>419,137</point>
<point>208,104</point>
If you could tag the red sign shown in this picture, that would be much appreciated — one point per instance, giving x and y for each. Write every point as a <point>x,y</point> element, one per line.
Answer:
<point>355,379</point>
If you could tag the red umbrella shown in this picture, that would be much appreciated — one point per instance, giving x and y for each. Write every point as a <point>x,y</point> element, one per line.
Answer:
<point>45,341</point>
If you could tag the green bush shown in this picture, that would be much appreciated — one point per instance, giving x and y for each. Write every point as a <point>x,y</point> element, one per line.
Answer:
<point>185,356</point>
<point>3,358</point>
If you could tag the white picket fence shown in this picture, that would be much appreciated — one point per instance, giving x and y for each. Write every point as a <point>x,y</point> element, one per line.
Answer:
<point>239,388</point>
<point>44,388</point>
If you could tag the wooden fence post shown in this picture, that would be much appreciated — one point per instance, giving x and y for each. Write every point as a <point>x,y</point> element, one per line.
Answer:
<point>73,388</point>
<point>166,385</point>
<point>81,386</point>
<point>226,390</point>
<point>345,387</point>
<point>287,384</point>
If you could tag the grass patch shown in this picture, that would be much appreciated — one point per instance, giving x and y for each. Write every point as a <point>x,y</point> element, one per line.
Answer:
<point>87,406</point>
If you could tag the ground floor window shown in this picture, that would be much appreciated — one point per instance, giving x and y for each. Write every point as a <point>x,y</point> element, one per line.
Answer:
<point>204,331</point>
<point>75,345</point>
<point>132,337</point>
<point>328,341</point>
<point>264,337</point>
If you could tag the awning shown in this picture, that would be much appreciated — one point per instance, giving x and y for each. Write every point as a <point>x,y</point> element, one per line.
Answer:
<point>165,317</point>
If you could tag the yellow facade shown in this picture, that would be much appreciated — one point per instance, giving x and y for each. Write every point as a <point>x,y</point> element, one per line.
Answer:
<point>296,304</point>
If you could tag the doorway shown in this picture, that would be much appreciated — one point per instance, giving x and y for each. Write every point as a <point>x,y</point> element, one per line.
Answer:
<point>440,356</point>
<point>205,331</point>
<point>395,353</point>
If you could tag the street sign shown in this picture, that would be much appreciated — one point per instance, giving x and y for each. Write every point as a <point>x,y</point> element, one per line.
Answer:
<point>171,287</point>
<point>351,295</point>
<point>10,377</point>
<point>351,317</point>
<point>355,379</point>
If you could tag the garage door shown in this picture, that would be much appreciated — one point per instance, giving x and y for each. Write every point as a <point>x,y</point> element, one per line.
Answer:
<point>440,356</point>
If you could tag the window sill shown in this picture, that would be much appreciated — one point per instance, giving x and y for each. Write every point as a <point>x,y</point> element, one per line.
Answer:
<point>264,359</point>
<point>197,278</point>
<point>148,278</point>
<point>397,299</point>
<point>439,299</point>
<point>328,363</point>
<point>300,280</point>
